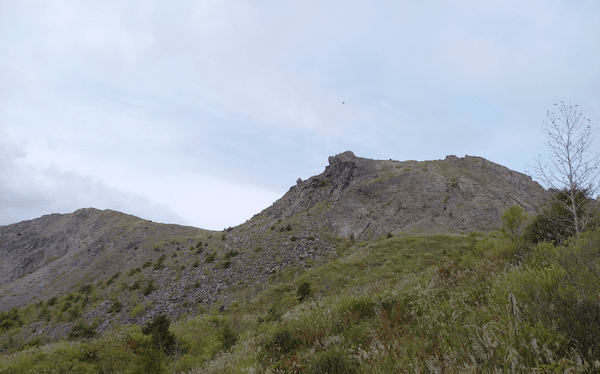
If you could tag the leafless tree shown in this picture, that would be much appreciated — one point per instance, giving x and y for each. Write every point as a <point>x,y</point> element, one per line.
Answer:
<point>572,169</point>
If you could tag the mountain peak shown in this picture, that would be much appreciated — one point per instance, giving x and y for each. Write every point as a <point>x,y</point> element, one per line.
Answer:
<point>367,198</point>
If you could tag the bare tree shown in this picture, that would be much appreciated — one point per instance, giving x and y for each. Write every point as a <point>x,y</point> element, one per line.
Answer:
<point>572,169</point>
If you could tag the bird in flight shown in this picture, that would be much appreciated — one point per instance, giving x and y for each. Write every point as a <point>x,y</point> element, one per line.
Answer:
<point>343,102</point>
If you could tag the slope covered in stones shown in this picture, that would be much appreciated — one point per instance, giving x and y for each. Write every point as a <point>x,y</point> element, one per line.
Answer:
<point>366,199</point>
<point>148,268</point>
<point>52,255</point>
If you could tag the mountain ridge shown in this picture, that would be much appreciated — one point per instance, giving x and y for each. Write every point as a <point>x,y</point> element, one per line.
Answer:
<point>450,195</point>
<point>354,199</point>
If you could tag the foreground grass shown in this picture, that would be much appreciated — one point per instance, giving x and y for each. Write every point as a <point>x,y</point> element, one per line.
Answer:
<point>428,304</point>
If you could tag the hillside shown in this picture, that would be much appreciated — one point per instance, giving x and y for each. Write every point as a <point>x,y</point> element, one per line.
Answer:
<point>54,254</point>
<point>354,199</point>
<point>367,199</point>
<point>372,266</point>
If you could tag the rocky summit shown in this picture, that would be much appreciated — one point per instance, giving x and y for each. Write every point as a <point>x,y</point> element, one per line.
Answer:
<point>147,268</point>
<point>366,199</point>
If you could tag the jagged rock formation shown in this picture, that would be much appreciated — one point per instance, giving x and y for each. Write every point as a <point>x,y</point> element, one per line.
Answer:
<point>353,198</point>
<point>367,198</point>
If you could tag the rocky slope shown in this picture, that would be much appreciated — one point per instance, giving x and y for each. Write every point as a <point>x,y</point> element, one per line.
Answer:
<point>367,199</point>
<point>49,256</point>
<point>353,199</point>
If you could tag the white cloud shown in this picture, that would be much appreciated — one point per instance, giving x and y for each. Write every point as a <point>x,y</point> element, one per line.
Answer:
<point>178,101</point>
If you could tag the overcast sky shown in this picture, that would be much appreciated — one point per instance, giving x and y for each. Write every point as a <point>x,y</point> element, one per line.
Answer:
<point>206,112</point>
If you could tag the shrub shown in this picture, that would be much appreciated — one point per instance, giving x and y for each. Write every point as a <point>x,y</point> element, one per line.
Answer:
<point>273,315</point>
<point>74,313</point>
<point>149,288</point>
<point>112,279</point>
<point>282,342</point>
<point>137,310</point>
<point>210,258</point>
<point>513,219</point>
<point>555,223</point>
<point>66,306</point>
<point>231,254</point>
<point>45,314</point>
<point>10,319</point>
<point>357,310</point>
<point>116,307</point>
<point>226,264</point>
<point>162,339</point>
<point>147,264</point>
<point>333,361</point>
<point>228,337</point>
<point>135,286</point>
<point>86,289</point>
<point>160,263</point>
<point>83,331</point>
<point>148,359</point>
<point>304,291</point>
<point>134,272</point>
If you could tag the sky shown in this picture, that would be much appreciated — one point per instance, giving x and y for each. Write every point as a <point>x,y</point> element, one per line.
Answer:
<point>204,113</point>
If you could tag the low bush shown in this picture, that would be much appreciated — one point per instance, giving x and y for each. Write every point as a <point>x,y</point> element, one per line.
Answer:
<point>162,339</point>
<point>333,361</point>
<point>83,331</point>
<point>210,258</point>
<point>227,336</point>
<point>283,342</point>
<point>149,288</point>
<point>160,263</point>
<point>116,307</point>
<point>304,291</point>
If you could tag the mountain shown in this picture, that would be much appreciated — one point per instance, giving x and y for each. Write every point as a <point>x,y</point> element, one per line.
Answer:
<point>184,268</point>
<point>51,255</point>
<point>367,199</point>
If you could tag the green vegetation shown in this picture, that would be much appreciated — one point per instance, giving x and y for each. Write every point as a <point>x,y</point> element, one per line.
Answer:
<point>210,258</point>
<point>160,263</point>
<point>303,292</point>
<point>149,288</point>
<point>112,279</point>
<point>555,223</point>
<point>10,319</point>
<point>116,307</point>
<point>438,303</point>
<point>83,331</point>
<point>514,219</point>
<point>162,338</point>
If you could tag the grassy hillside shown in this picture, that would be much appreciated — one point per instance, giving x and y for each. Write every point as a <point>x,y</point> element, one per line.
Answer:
<point>428,304</point>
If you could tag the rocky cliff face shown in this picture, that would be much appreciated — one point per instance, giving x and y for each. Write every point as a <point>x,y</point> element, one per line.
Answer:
<point>354,197</point>
<point>367,198</point>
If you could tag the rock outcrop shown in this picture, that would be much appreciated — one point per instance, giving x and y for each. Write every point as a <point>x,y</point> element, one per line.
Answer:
<point>188,268</point>
<point>367,199</point>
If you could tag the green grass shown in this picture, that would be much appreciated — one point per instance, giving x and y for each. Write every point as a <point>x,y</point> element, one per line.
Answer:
<point>441,303</point>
